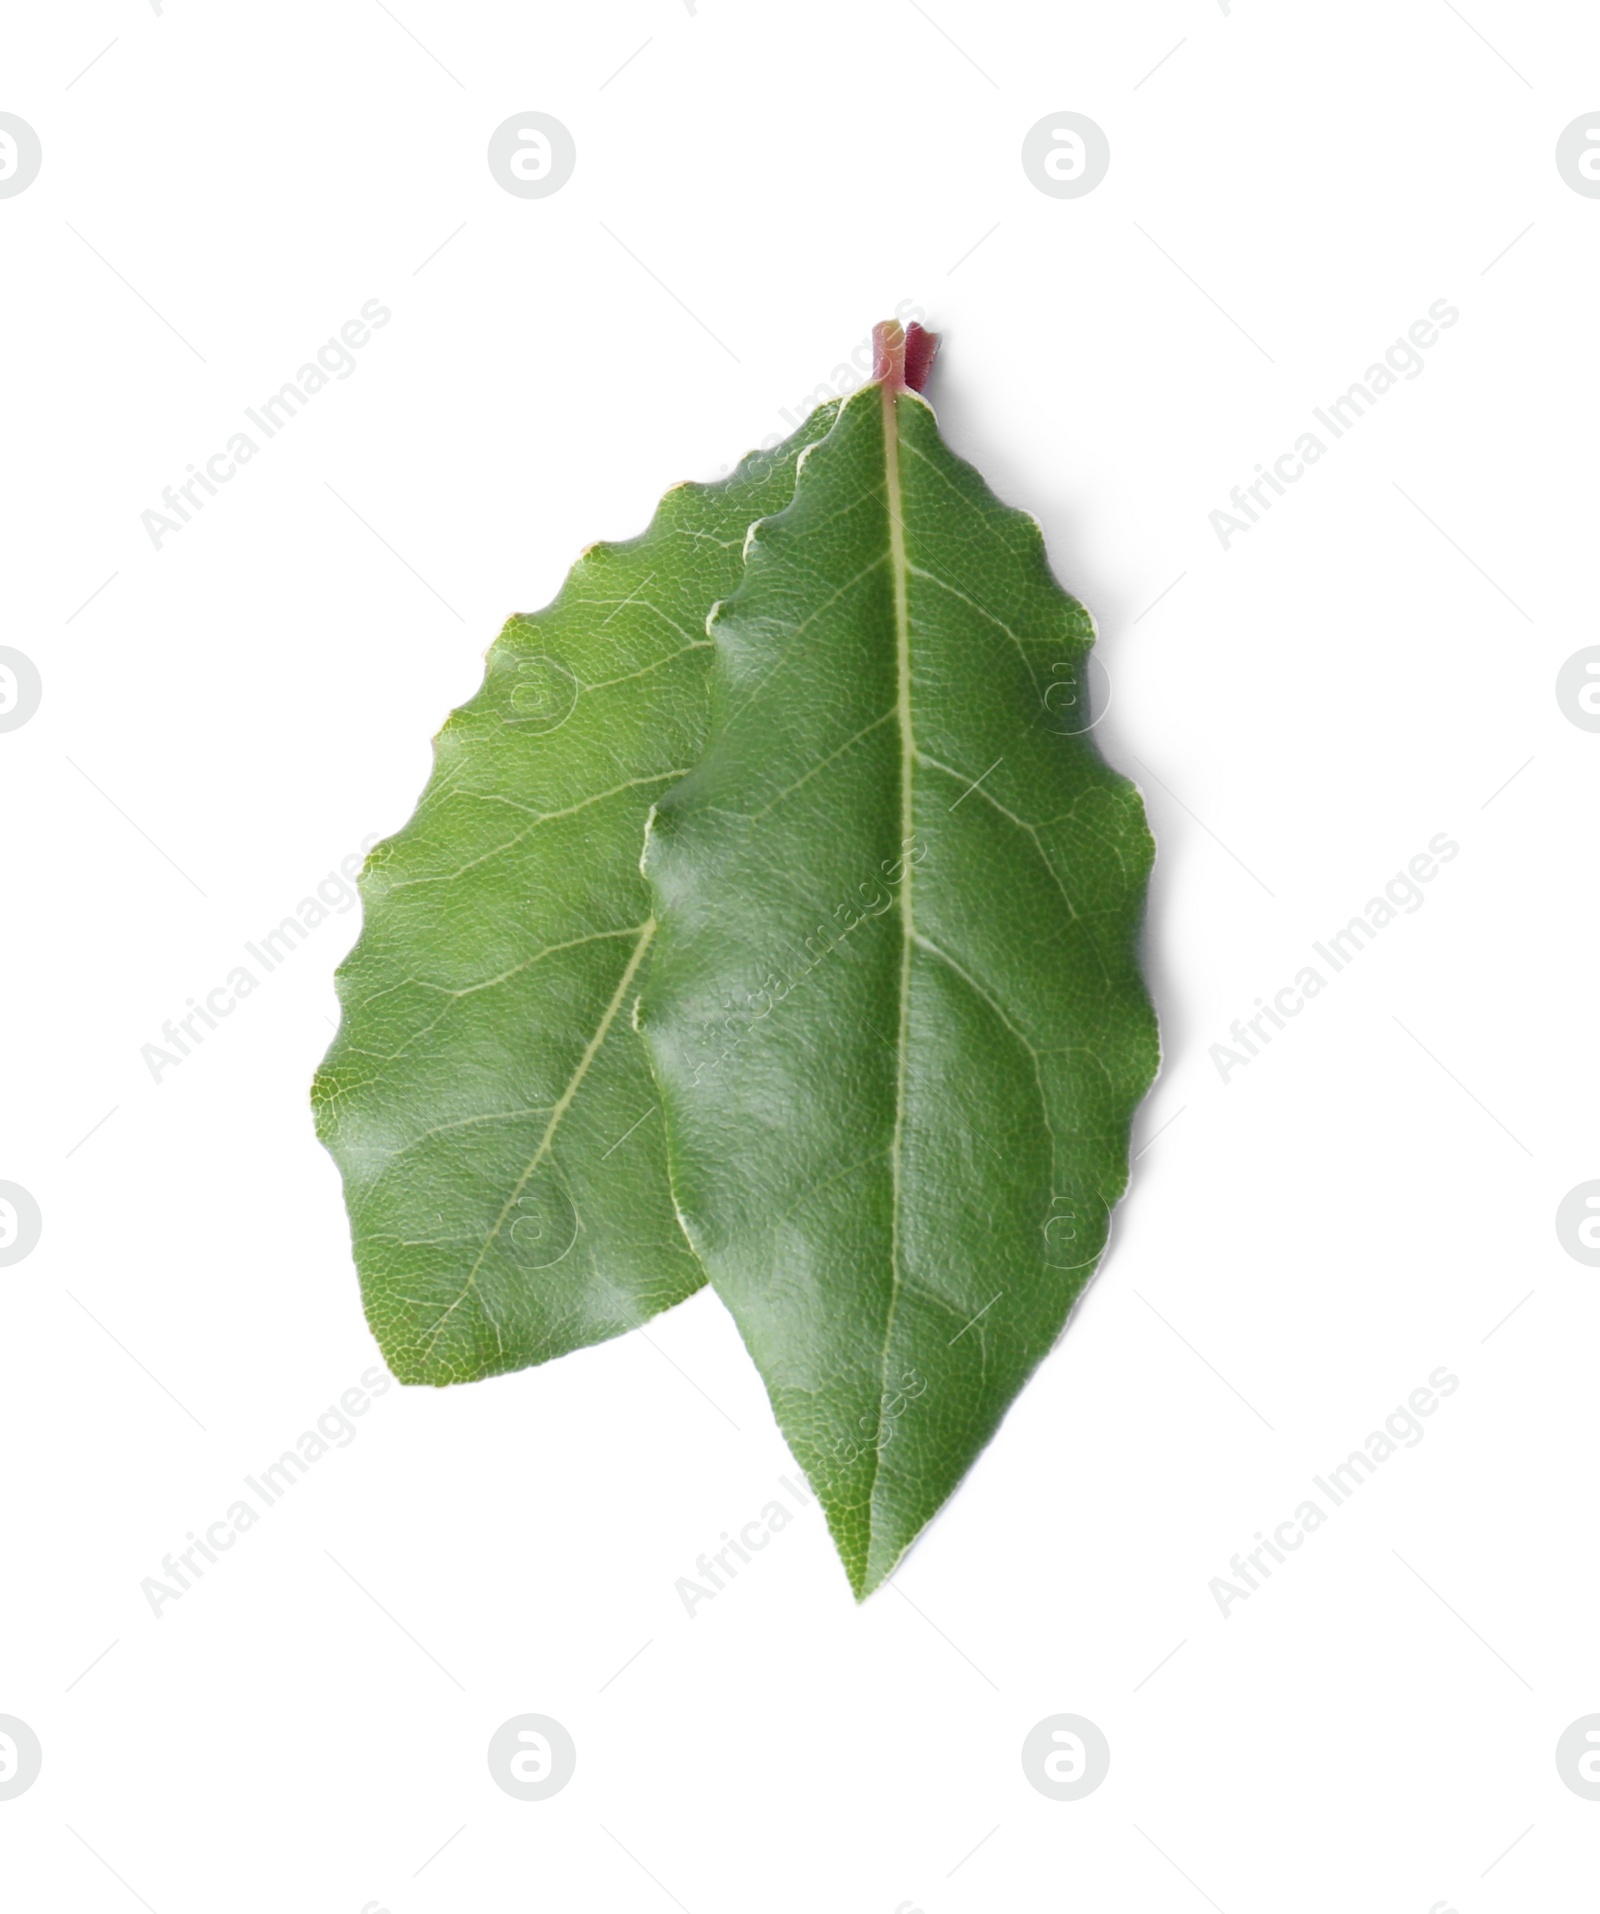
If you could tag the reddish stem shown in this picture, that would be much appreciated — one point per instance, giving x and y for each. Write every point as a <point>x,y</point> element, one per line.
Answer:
<point>901,358</point>
<point>921,345</point>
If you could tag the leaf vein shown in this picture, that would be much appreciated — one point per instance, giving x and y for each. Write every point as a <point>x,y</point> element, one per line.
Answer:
<point>563,1104</point>
<point>539,817</point>
<point>983,612</point>
<point>751,817</point>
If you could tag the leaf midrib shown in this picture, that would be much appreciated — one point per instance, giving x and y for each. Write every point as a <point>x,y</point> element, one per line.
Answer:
<point>899,572</point>
<point>560,1109</point>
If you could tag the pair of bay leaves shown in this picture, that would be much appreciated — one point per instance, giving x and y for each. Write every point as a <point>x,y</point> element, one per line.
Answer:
<point>794,946</point>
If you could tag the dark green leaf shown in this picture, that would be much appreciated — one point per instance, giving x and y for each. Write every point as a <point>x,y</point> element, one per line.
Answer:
<point>895,1007</point>
<point>487,1099</point>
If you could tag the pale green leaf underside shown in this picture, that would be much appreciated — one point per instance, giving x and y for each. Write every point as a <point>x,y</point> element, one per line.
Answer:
<point>487,1099</point>
<point>894,1006</point>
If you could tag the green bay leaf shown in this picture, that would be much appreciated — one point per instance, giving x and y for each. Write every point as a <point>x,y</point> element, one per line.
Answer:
<point>895,1007</point>
<point>486,1099</point>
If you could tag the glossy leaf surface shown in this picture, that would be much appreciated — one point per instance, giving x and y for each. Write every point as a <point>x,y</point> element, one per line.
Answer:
<point>487,1099</point>
<point>895,1006</point>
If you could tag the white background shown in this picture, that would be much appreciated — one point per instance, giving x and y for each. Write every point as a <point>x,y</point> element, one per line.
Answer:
<point>231,715</point>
